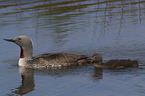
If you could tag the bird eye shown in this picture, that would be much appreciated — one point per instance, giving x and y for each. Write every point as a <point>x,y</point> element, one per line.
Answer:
<point>19,38</point>
<point>95,57</point>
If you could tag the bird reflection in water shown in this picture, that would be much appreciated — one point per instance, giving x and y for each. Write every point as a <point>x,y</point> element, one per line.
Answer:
<point>27,76</point>
<point>98,74</point>
<point>27,85</point>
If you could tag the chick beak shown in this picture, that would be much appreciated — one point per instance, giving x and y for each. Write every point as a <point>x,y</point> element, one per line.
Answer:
<point>89,58</point>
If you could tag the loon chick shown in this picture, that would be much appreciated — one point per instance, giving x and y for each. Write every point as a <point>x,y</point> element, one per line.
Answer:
<point>114,64</point>
<point>43,60</point>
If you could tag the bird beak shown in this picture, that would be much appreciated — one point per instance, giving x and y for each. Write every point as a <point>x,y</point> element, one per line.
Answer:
<point>89,58</point>
<point>10,40</point>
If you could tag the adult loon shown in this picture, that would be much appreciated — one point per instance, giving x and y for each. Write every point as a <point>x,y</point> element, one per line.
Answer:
<point>114,64</point>
<point>44,60</point>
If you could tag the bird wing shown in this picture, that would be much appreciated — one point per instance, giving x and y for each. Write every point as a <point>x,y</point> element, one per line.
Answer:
<point>64,59</point>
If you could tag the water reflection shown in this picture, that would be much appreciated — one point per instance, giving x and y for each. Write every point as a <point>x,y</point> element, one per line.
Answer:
<point>98,73</point>
<point>60,17</point>
<point>27,84</point>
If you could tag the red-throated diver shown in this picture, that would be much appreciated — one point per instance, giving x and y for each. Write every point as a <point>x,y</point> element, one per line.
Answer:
<point>43,60</point>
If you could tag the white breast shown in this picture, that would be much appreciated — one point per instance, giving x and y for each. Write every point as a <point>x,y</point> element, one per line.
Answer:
<point>22,62</point>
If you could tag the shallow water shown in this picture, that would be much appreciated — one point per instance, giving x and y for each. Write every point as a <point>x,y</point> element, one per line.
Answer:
<point>114,29</point>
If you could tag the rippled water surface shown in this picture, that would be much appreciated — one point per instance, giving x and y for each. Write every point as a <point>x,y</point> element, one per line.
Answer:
<point>113,28</point>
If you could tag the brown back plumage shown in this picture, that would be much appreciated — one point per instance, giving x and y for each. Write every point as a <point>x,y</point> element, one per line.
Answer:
<point>115,64</point>
<point>64,59</point>
<point>121,63</point>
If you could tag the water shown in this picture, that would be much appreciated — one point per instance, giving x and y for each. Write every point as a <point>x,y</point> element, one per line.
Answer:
<point>114,29</point>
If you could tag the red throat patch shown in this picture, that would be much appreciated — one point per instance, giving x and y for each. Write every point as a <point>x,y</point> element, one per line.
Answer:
<point>22,53</point>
